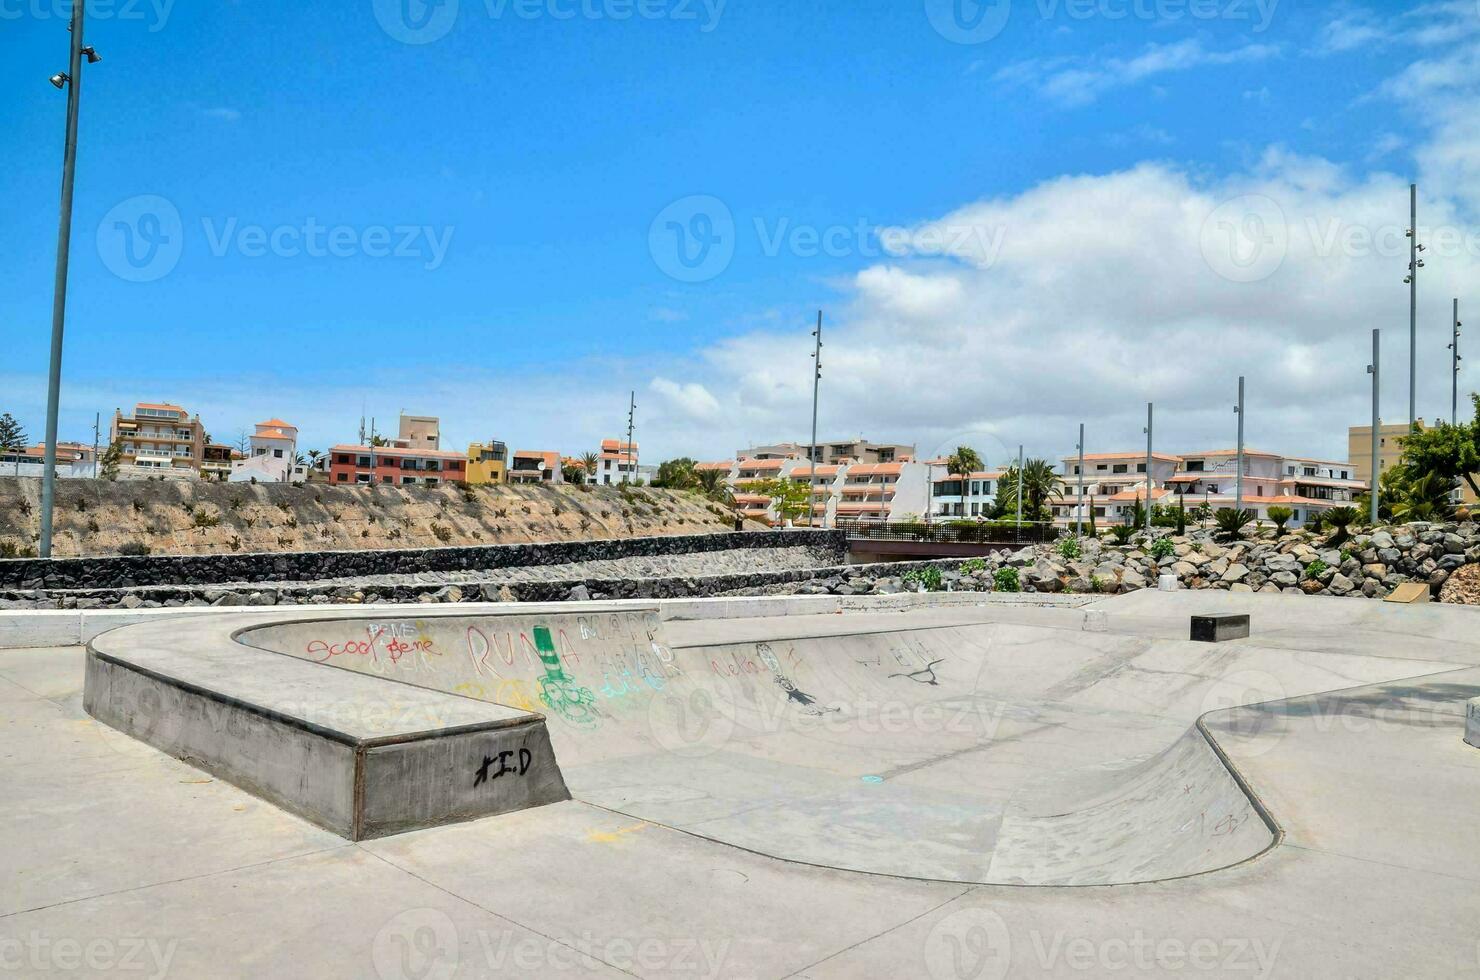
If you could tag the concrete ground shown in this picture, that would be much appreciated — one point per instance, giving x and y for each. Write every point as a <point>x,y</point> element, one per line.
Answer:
<point>117,860</point>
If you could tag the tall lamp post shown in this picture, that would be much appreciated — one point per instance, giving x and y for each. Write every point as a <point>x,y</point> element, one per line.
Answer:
<point>1238,477</point>
<point>1454,360</point>
<point>1373,369</point>
<point>630,477</point>
<point>1150,415</point>
<point>1079,507</point>
<point>1020,490</point>
<point>1414,264</point>
<point>812,449</point>
<point>71,80</point>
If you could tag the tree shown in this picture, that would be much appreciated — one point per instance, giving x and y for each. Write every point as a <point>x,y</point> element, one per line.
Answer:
<point>1040,486</point>
<point>12,436</point>
<point>712,484</point>
<point>964,462</point>
<point>1093,532</point>
<point>789,498</point>
<point>676,474</point>
<point>314,455</point>
<point>590,463</point>
<point>1339,519</point>
<point>1426,498</point>
<point>112,459</point>
<point>1231,522</point>
<point>1449,451</point>
<point>1280,516</point>
<point>1181,515</point>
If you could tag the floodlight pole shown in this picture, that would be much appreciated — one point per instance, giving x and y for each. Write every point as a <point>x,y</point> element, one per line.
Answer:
<point>1150,415</point>
<point>1238,480</point>
<point>631,424</point>
<point>812,449</point>
<point>1020,490</point>
<point>59,295</point>
<point>1374,369</point>
<point>1413,249</point>
<point>1079,508</point>
<point>1454,360</point>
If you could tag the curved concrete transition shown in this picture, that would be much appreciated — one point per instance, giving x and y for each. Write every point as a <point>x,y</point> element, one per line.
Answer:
<point>990,744</point>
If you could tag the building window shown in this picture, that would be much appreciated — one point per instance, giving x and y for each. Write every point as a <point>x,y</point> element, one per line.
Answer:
<point>277,454</point>
<point>342,477</point>
<point>1140,467</point>
<point>1119,468</point>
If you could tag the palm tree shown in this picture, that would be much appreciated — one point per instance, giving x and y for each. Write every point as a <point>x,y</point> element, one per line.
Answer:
<point>314,455</point>
<point>963,463</point>
<point>1041,485</point>
<point>712,484</point>
<point>1426,498</point>
<point>590,463</point>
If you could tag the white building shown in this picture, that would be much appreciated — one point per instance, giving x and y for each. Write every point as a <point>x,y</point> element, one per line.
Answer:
<point>955,498</point>
<point>848,490</point>
<point>618,462</point>
<point>271,455</point>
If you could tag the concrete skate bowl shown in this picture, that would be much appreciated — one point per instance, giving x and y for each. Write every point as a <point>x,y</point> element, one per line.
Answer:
<point>1025,753</point>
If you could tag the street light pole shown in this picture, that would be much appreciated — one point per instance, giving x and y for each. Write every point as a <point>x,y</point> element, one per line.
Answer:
<point>1238,479</point>
<point>1079,507</point>
<point>1373,369</point>
<point>73,81</point>
<point>1414,264</point>
<point>1150,414</point>
<point>1020,490</point>
<point>812,449</point>
<point>1454,360</point>
<point>631,424</point>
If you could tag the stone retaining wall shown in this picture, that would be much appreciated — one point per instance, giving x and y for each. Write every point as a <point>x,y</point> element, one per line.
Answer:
<point>197,570</point>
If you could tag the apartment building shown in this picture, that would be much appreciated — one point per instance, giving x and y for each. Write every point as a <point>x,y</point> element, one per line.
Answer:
<point>616,463</point>
<point>833,453</point>
<point>488,463</point>
<point>161,436</point>
<point>1389,451</point>
<point>271,454</point>
<point>1114,482</point>
<point>419,432</point>
<point>534,466</point>
<point>975,495</point>
<point>395,466</point>
<point>74,461</point>
<point>848,490</point>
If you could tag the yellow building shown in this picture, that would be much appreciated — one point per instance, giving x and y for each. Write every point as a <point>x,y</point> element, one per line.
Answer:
<point>1389,451</point>
<point>488,463</point>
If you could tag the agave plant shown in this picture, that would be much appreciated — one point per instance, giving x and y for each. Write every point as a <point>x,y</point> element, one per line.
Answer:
<point>1231,522</point>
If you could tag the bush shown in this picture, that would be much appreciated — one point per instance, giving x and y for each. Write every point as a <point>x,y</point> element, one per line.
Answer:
<point>1006,580</point>
<point>972,566</point>
<point>9,549</point>
<point>1338,519</point>
<point>1231,522</point>
<point>927,578</point>
<point>134,549</point>
<point>1162,549</point>
<point>442,534</point>
<point>1069,549</point>
<point>1315,569</point>
<point>1122,533</point>
<point>1280,516</point>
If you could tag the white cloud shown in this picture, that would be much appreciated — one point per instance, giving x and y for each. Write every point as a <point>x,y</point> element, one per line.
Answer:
<point>1080,82</point>
<point>693,400</point>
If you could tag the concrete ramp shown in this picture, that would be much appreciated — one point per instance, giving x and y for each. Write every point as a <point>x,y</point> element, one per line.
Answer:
<point>994,752</point>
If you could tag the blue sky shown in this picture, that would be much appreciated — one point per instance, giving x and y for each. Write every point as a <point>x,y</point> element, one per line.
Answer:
<point>513,166</point>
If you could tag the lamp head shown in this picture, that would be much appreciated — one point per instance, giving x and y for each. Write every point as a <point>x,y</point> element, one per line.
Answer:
<point>60,79</point>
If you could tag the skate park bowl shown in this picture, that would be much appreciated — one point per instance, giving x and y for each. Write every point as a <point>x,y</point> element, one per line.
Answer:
<point>1069,744</point>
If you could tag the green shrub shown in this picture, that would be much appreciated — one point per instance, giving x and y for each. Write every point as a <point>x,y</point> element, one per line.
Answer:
<point>1315,569</point>
<point>1122,533</point>
<point>1069,549</point>
<point>1231,522</point>
<point>972,566</point>
<point>1280,516</point>
<point>927,578</point>
<point>1162,549</point>
<point>135,549</point>
<point>1006,580</point>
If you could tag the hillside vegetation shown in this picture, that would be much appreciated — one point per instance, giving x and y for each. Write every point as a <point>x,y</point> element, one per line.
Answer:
<point>98,517</point>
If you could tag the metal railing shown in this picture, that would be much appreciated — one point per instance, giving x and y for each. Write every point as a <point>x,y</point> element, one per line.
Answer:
<point>951,532</point>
